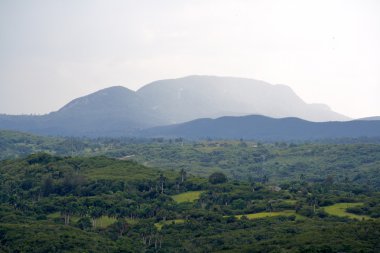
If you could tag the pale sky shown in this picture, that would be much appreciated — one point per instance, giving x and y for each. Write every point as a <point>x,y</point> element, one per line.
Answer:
<point>54,51</point>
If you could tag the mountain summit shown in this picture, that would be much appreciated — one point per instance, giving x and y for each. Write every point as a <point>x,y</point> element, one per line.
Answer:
<point>192,97</point>
<point>118,111</point>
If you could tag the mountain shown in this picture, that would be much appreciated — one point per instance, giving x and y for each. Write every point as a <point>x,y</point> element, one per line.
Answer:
<point>112,111</point>
<point>258,127</point>
<point>115,111</point>
<point>193,97</point>
<point>118,111</point>
<point>370,118</point>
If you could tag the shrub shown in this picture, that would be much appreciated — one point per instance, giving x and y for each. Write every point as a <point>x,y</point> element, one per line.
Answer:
<point>217,178</point>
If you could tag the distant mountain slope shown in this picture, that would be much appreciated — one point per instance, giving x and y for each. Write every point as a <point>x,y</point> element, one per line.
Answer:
<point>115,111</point>
<point>112,111</point>
<point>370,118</point>
<point>118,111</point>
<point>193,97</point>
<point>264,128</point>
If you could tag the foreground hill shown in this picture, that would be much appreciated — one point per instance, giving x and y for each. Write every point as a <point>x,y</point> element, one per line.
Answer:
<point>118,111</point>
<point>257,127</point>
<point>75,204</point>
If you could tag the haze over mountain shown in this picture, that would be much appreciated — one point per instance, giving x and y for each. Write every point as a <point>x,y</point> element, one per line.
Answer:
<point>192,97</point>
<point>115,111</point>
<point>259,127</point>
<point>118,111</point>
<point>371,118</point>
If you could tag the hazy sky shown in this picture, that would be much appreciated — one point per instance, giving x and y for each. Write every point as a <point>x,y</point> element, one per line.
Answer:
<point>54,51</point>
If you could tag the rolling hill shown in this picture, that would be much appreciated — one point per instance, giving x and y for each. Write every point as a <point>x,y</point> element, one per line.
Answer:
<point>258,127</point>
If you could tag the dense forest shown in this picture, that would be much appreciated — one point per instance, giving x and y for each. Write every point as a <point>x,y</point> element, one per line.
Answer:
<point>130,195</point>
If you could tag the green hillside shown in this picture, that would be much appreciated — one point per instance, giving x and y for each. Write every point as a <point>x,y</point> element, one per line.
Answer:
<point>53,203</point>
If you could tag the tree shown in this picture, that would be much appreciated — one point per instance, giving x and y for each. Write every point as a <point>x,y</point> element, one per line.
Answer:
<point>95,213</point>
<point>312,200</point>
<point>84,223</point>
<point>183,175</point>
<point>252,182</point>
<point>47,186</point>
<point>270,206</point>
<point>161,180</point>
<point>265,179</point>
<point>217,178</point>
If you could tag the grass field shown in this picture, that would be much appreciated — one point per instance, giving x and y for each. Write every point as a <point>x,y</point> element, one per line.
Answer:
<point>339,209</point>
<point>290,201</point>
<point>187,196</point>
<point>58,215</point>
<point>105,221</point>
<point>102,222</point>
<point>270,214</point>
<point>160,224</point>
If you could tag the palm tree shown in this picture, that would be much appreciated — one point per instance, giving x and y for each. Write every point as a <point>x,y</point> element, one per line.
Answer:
<point>252,182</point>
<point>312,200</point>
<point>183,175</point>
<point>162,180</point>
<point>269,206</point>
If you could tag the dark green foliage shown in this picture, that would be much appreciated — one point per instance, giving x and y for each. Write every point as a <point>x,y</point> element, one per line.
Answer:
<point>217,178</point>
<point>42,237</point>
<point>51,203</point>
<point>84,223</point>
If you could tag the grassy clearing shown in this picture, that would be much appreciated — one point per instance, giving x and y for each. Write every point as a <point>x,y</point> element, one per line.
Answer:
<point>102,222</point>
<point>290,201</point>
<point>105,221</point>
<point>160,224</point>
<point>58,215</point>
<point>54,215</point>
<point>190,196</point>
<point>270,214</point>
<point>339,209</point>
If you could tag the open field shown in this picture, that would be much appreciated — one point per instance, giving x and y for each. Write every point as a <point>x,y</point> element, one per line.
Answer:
<point>105,221</point>
<point>339,209</point>
<point>160,224</point>
<point>190,196</point>
<point>260,215</point>
<point>102,222</point>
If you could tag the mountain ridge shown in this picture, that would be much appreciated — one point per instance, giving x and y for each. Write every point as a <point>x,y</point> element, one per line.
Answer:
<point>259,127</point>
<point>229,96</point>
<point>119,111</point>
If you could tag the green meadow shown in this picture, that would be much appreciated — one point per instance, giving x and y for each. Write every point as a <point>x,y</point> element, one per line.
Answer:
<point>339,209</point>
<point>260,215</point>
<point>189,196</point>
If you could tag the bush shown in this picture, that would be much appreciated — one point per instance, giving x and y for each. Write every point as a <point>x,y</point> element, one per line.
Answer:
<point>84,223</point>
<point>217,178</point>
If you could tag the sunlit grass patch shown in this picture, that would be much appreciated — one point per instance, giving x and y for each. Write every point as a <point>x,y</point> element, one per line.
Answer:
<point>56,215</point>
<point>105,221</point>
<point>339,209</point>
<point>160,224</point>
<point>190,196</point>
<point>270,214</point>
<point>290,201</point>
<point>101,222</point>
